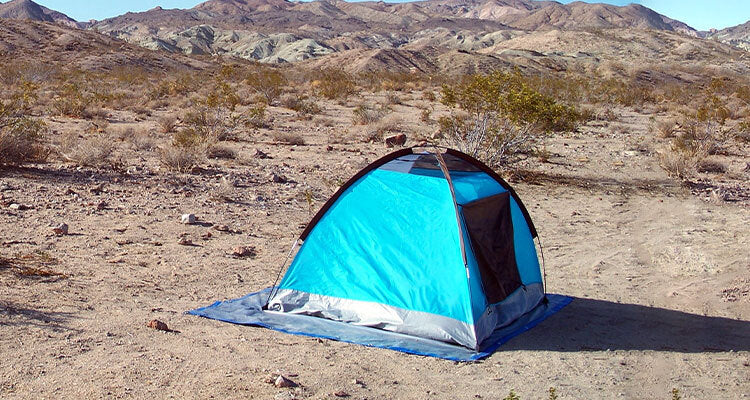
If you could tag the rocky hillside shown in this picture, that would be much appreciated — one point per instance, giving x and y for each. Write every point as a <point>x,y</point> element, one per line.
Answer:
<point>285,31</point>
<point>27,9</point>
<point>53,44</point>
<point>738,36</point>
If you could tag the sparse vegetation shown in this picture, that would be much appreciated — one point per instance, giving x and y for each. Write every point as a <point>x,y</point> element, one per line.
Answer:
<point>335,84</point>
<point>495,116</point>
<point>288,138</point>
<point>22,138</point>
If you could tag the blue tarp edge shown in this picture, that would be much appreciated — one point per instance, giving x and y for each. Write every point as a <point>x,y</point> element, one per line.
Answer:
<point>555,303</point>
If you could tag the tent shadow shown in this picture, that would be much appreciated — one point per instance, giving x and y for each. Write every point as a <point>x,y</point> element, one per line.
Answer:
<point>593,325</point>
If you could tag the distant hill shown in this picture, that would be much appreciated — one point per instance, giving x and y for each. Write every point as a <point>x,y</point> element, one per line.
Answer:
<point>27,9</point>
<point>738,36</point>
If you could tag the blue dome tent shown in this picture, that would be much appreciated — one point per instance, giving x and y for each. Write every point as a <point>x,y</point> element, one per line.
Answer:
<point>430,253</point>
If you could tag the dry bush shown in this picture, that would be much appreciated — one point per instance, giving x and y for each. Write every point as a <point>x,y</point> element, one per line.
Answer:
<point>382,128</point>
<point>180,159</point>
<point>268,82</point>
<point>304,107</point>
<point>167,123</point>
<point>22,139</point>
<point>72,100</point>
<point>141,140</point>
<point>335,84</point>
<point>392,98</point>
<point>678,164</point>
<point>496,116</point>
<point>365,114</point>
<point>429,95</point>
<point>288,138</point>
<point>666,128</point>
<point>711,167</point>
<point>324,121</point>
<point>425,114</point>
<point>220,151</point>
<point>92,151</point>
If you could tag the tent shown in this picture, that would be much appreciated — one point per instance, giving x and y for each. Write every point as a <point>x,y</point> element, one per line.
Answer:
<point>430,253</point>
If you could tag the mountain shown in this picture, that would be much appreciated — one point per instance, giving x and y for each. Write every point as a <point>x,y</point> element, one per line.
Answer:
<point>738,36</point>
<point>286,31</point>
<point>27,9</point>
<point>48,44</point>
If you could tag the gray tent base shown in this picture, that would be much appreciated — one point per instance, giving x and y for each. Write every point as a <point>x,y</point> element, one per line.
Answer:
<point>248,310</point>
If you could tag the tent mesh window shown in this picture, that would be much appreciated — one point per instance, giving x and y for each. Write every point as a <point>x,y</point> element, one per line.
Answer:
<point>488,222</point>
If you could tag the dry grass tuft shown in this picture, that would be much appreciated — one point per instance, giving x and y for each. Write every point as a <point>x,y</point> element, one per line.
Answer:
<point>288,138</point>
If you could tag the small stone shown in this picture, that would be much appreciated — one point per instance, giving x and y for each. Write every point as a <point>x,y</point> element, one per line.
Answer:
<point>329,148</point>
<point>188,219</point>
<point>158,325</point>
<point>15,206</point>
<point>102,205</point>
<point>242,251</point>
<point>396,140</point>
<point>185,241</point>
<point>276,178</point>
<point>341,393</point>
<point>97,189</point>
<point>261,155</point>
<point>206,236</point>
<point>60,229</point>
<point>221,228</point>
<point>282,382</point>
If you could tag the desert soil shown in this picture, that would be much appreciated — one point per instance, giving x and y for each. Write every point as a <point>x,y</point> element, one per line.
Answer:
<point>659,274</point>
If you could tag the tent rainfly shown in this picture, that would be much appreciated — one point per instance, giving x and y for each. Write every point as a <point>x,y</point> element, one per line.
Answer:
<point>431,249</point>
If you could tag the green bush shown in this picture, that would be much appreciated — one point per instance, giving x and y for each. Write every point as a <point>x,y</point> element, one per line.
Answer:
<point>495,116</point>
<point>268,82</point>
<point>22,138</point>
<point>335,84</point>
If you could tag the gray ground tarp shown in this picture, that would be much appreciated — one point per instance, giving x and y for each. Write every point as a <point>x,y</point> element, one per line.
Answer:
<point>248,310</point>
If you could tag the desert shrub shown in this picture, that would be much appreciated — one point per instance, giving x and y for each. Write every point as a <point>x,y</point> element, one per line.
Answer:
<point>180,159</point>
<point>335,84</point>
<point>711,167</point>
<point>304,106</point>
<point>429,95</point>
<point>666,128</point>
<point>182,85</point>
<point>22,138</point>
<point>382,128</point>
<point>220,151</point>
<point>167,123</point>
<point>392,98</point>
<point>214,117</point>
<point>268,82</point>
<point>72,100</point>
<point>288,138</point>
<point>255,116</point>
<point>90,151</point>
<point>365,114</point>
<point>424,114</point>
<point>495,116</point>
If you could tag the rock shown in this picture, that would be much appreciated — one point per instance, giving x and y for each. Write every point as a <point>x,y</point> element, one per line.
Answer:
<point>341,393</point>
<point>206,236</point>
<point>261,155</point>
<point>102,205</point>
<point>188,219</point>
<point>185,241</point>
<point>242,251</point>
<point>329,148</point>
<point>60,229</point>
<point>282,382</point>
<point>221,228</point>
<point>15,206</point>
<point>158,325</point>
<point>97,189</point>
<point>396,140</point>
<point>276,178</point>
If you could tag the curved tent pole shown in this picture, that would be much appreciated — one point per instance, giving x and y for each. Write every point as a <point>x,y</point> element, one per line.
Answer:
<point>446,172</point>
<point>274,288</point>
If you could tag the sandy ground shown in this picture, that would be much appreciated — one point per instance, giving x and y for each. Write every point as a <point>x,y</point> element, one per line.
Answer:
<point>659,275</point>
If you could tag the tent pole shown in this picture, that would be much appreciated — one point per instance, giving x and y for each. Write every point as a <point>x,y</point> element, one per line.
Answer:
<point>278,276</point>
<point>544,267</point>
